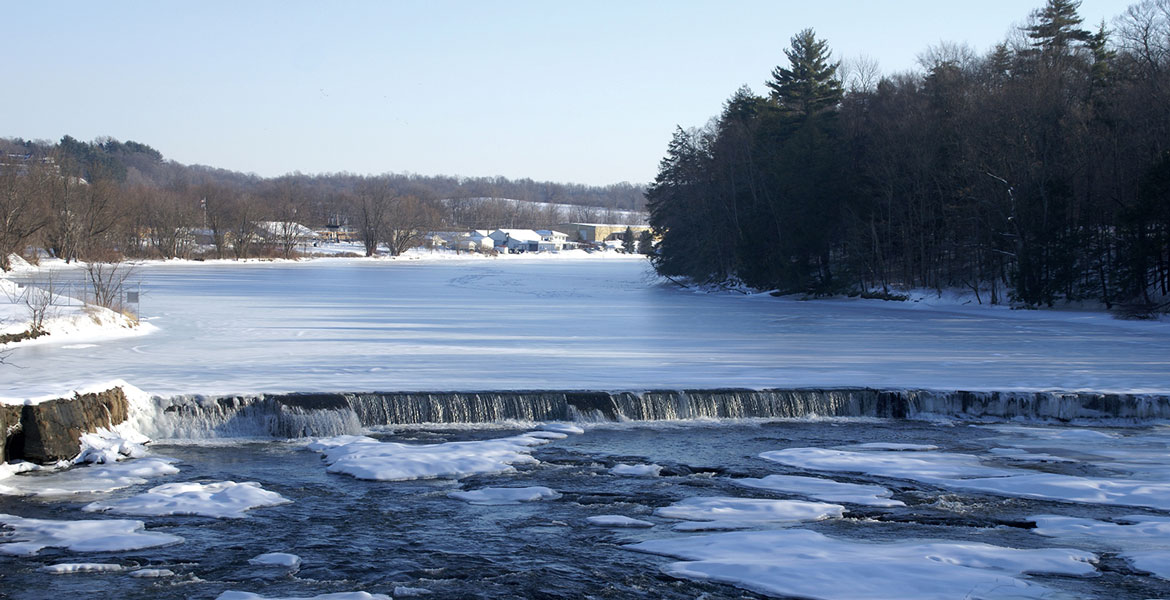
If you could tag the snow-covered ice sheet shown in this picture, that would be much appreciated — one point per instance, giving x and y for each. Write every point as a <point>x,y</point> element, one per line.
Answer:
<point>964,471</point>
<point>914,466</point>
<point>823,489</point>
<point>636,470</point>
<point>749,510</point>
<point>505,495</point>
<point>89,479</point>
<point>367,458</point>
<point>1143,540</point>
<point>807,564</point>
<point>548,324</point>
<point>1156,562</point>
<point>617,521</point>
<point>221,499</point>
<point>95,535</point>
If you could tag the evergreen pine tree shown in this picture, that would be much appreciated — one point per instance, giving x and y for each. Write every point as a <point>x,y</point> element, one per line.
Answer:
<point>809,85</point>
<point>1057,26</point>
<point>645,242</point>
<point>628,240</point>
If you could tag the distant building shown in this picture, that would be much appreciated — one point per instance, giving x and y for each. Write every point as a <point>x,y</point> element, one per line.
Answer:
<point>516,240</point>
<point>595,233</point>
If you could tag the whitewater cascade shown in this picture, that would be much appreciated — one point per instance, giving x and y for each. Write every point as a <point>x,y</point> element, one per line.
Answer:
<point>307,415</point>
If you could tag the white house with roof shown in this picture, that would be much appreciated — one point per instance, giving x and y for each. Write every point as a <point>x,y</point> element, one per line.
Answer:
<point>552,241</point>
<point>516,240</point>
<point>478,240</point>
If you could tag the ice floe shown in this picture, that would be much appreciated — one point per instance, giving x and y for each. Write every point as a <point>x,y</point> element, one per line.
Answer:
<point>94,479</point>
<point>636,470</point>
<point>749,510</point>
<point>276,559</point>
<point>152,573</point>
<point>567,428</point>
<point>1155,562</point>
<point>915,466</point>
<point>234,595</point>
<point>402,591</point>
<point>63,568</point>
<point>1142,540</point>
<point>823,489</point>
<point>894,447</point>
<point>30,536</point>
<point>367,458</point>
<point>1024,456</point>
<point>617,521</point>
<point>964,471</point>
<point>806,564</point>
<point>221,499</point>
<point>505,495</point>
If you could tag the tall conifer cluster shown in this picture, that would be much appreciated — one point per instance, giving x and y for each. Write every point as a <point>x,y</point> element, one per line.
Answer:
<point>1038,173</point>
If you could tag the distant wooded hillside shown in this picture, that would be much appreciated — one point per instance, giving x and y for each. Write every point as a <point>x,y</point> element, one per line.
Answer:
<point>107,199</point>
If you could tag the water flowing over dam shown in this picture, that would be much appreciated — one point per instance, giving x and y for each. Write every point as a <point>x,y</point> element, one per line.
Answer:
<point>318,414</point>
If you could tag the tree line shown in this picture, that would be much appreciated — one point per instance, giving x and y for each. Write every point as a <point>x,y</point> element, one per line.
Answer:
<point>107,200</point>
<point>1037,172</point>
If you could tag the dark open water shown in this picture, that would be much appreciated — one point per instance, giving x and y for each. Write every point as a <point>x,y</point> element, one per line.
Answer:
<point>377,536</point>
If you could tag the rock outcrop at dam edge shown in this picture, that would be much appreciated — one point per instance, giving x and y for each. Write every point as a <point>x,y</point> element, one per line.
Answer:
<point>51,431</point>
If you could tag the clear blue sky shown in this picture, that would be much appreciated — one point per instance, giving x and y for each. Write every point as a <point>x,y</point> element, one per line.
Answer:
<point>585,92</point>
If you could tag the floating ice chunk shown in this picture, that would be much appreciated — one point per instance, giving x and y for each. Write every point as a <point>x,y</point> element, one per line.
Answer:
<point>1071,488</point>
<point>1056,434</point>
<point>1138,528</point>
<point>916,466</point>
<point>617,521</point>
<point>1145,539</point>
<point>713,525</point>
<point>824,489</point>
<point>962,471</point>
<point>1023,456</point>
<point>366,458</point>
<point>276,559</point>
<point>749,510</point>
<point>401,591</point>
<point>650,470</point>
<point>894,447</point>
<point>505,495</point>
<point>90,479</point>
<point>234,595</point>
<point>152,573</point>
<point>324,444</point>
<point>222,499</point>
<point>107,535</point>
<point>1155,562</point>
<point>62,568</point>
<point>562,428</point>
<point>806,564</point>
<point>548,435</point>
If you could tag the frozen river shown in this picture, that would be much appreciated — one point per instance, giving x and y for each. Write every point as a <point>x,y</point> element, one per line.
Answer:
<point>353,325</point>
<point>829,508</point>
